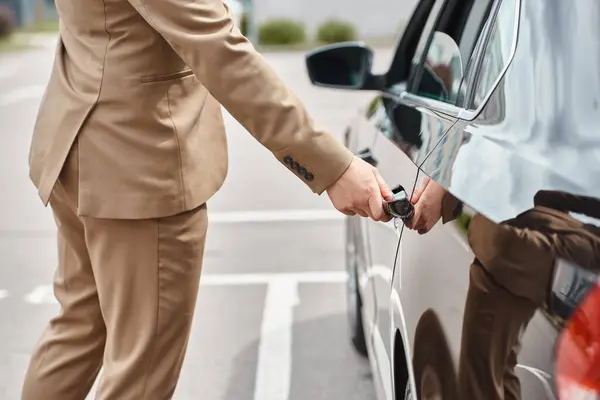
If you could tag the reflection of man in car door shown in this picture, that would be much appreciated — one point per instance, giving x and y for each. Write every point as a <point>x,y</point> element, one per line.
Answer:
<point>509,278</point>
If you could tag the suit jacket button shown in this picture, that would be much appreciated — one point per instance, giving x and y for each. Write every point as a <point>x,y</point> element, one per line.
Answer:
<point>309,177</point>
<point>295,165</point>
<point>302,171</point>
<point>287,160</point>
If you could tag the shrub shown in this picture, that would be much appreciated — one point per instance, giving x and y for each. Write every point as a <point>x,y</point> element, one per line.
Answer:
<point>244,24</point>
<point>334,31</point>
<point>281,31</point>
<point>7,22</point>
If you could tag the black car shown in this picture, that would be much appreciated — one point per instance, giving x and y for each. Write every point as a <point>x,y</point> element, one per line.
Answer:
<point>491,110</point>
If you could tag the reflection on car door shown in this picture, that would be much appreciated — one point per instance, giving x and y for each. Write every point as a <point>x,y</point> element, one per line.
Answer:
<point>399,172</point>
<point>405,136</point>
<point>396,151</point>
<point>442,73</point>
<point>438,302</point>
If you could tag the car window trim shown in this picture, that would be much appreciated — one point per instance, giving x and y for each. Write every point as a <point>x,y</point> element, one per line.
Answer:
<point>468,113</point>
<point>463,113</point>
<point>471,72</point>
<point>480,48</point>
<point>415,77</point>
<point>402,47</point>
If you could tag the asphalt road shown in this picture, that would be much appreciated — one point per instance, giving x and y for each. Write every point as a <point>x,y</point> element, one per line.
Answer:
<point>270,321</point>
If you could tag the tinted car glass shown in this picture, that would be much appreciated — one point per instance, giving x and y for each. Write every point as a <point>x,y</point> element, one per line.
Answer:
<point>450,49</point>
<point>424,40</point>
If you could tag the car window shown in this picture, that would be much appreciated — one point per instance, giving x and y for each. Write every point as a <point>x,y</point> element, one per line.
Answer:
<point>450,49</point>
<point>497,52</point>
<point>424,39</point>
<point>412,41</point>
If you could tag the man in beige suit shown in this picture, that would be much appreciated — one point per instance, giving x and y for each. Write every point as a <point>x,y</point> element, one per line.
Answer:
<point>129,144</point>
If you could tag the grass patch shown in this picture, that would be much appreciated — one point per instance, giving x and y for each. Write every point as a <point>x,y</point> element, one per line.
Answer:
<point>463,221</point>
<point>307,46</point>
<point>20,39</point>
<point>47,26</point>
<point>13,44</point>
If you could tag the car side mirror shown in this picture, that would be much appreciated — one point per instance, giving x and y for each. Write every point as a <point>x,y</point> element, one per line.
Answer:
<point>343,66</point>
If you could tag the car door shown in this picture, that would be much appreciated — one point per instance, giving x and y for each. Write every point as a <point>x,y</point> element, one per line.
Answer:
<point>439,80</point>
<point>441,73</point>
<point>359,138</point>
<point>437,288</point>
<point>405,135</point>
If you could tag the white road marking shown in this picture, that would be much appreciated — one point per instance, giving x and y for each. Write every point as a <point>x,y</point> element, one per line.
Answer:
<point>275,216</point>
<point>44,294</point>
<point>267,278</point>
<point>20,94</point>
<point>226,217</point>
<point>3,294</point>
<point>274,367</point>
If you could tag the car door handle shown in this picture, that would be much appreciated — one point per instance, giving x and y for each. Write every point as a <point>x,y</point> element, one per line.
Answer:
<point>367,156</point>
<point>400,207</point>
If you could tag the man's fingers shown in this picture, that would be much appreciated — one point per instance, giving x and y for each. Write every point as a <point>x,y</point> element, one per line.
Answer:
<point>384,188</point>
<point>419,191</point>
<point>362,213</point>
<point>347,212</point>
<point>415,221</point>
<point>375,205</point>
<point>414,199</point>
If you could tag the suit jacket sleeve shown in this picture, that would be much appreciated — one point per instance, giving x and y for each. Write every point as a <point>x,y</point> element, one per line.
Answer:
<point>203,35</point>
<point>565,202</point>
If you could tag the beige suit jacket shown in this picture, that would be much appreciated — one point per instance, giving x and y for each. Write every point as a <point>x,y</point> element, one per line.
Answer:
<point>140,83</point>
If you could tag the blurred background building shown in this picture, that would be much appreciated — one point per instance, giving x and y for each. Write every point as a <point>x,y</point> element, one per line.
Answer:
<point>29,12</point>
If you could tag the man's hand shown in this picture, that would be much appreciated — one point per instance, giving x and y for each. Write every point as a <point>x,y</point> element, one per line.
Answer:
<point>361,190</point>
<point>428,206</point>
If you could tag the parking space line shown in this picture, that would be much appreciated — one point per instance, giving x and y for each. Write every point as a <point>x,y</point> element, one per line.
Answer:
<point>259,278</point>
<point>274,216</point>
<point>274,366</point>
<point>44,294</point>
<point>224,217</point>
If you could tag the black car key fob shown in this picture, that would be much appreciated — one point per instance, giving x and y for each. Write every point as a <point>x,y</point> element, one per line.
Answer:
<point>401,206</point>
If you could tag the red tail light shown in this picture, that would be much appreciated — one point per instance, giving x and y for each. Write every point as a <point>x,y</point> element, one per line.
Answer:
<point>578,352</point>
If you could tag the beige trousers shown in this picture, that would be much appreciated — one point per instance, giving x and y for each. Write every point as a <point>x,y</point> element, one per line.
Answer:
<point>127,291</point>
